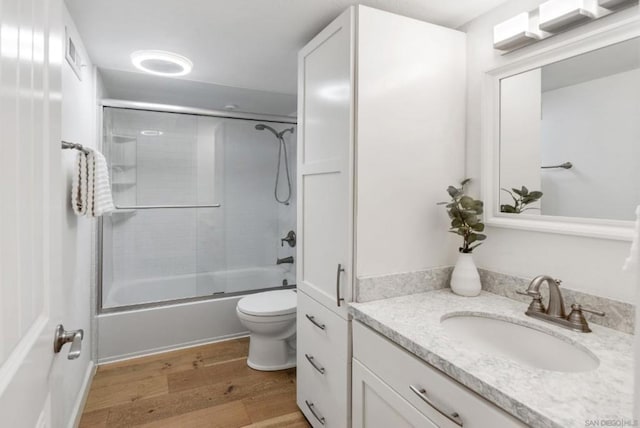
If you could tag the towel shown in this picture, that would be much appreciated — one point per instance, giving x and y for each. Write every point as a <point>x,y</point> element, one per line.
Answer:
<point>634,256</point>
<point>91,192</point>
<point>79,185</point>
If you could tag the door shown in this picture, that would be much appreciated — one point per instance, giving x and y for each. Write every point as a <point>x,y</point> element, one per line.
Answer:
<point>325,164</point>
<point>31,43</point>
<point>377,405</point>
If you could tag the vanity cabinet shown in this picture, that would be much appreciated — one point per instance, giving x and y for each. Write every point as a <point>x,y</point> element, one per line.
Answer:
<point>404,387</point>
<point>380,105</point>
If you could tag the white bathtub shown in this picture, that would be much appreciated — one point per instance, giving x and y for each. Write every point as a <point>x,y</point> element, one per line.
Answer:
<point>151,290</point>
<point>137,332</point>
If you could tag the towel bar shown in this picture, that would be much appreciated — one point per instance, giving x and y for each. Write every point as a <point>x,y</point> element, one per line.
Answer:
<point>68,145</point>
<point>151,207</point>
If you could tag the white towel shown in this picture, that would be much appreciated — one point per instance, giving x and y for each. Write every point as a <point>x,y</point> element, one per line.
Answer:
<point>91,192</point>
<point>634,256</point>
<point>99,197</point>
<point>79,185</point>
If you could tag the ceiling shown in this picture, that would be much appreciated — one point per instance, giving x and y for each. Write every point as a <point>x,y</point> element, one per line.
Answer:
<point>613,59</point>
<point>250,44</point>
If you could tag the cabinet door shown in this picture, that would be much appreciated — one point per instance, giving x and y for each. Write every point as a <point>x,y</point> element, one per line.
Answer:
<point>376,405</point>
<point>325,164</point>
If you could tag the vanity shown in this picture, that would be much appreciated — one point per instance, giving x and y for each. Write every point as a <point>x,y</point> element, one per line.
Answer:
<point>382,341</point>
<point>410,368</point>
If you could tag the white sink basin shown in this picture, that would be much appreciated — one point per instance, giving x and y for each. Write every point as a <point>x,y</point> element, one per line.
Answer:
<point>525,345</point>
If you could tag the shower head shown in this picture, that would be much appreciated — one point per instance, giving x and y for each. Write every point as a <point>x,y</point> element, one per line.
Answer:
<point>262,127</point>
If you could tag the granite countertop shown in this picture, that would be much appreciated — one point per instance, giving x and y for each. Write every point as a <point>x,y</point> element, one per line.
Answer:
<point>540,398</point>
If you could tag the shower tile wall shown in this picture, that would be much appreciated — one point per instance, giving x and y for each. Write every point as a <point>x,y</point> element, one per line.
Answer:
<point>197,160</point>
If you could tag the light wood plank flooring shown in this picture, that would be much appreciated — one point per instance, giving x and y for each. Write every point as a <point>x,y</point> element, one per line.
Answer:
<point>206,386</point>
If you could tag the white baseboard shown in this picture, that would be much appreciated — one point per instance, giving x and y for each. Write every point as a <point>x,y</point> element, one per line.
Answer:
<point>78,407</point>
<point>176,347</point>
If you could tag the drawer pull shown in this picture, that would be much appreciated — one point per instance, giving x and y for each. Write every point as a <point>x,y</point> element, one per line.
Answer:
<point>338,298</point>
<point>315,366</point>
<point>314,322</point>
<point>313,411</point>
<point>422,393</point>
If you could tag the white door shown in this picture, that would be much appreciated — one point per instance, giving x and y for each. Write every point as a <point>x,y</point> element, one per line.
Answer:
<point>31,43</point>
<point>377,405</point>
<point>325,164</point>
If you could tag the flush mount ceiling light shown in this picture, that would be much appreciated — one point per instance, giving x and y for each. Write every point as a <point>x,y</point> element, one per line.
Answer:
<point>161,63</point>
<point>151,133</point>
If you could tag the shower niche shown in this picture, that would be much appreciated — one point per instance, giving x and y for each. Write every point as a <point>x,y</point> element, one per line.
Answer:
<point>202,204</point>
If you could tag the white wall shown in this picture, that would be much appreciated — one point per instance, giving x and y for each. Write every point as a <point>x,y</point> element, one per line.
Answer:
<point>595,126</point>
<point>520,134</point>
<point>78,125</point>
<point>586,264</point>
<point>410,142</point>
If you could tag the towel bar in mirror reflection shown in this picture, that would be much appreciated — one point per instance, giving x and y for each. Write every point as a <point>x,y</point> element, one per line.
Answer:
<point>153,207</point>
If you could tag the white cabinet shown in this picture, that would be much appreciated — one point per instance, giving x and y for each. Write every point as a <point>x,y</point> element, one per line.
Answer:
<point>380,136</point>
<point>325,165</point>
<point>377,405</point>
<point>435,395</point>
<point>325,223</point>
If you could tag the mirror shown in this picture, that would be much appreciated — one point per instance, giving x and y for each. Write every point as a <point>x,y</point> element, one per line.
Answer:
<point>569,135</point>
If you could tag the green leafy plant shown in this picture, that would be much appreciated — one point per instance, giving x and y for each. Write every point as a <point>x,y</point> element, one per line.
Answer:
<point>521,198</point>
<point>465,214</point>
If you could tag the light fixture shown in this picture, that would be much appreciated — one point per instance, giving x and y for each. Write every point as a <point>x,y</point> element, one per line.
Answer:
<point>151,133</point>
<point>514,33</point>
<point>612,4</point>
<point>558,14</point>
<point>161,63</point>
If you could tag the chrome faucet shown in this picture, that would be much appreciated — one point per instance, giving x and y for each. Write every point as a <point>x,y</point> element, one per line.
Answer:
<point>285,260</point>
<point>555,313</point>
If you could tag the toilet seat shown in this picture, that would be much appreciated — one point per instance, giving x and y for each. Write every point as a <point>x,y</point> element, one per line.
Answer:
<point>269,304</point>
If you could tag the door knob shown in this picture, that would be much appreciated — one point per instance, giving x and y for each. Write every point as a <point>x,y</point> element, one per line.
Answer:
<point>72,336</point>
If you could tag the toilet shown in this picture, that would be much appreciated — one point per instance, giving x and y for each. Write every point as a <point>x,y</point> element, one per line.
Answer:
<point>271,319</point>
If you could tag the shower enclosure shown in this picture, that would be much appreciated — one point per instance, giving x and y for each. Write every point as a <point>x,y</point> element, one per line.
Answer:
<point>204,206</point>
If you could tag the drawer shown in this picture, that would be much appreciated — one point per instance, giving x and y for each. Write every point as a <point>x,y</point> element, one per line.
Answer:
<point>402,371</point>
<point>323,364</point>
<point>328,392</point>
<point>319,327</point>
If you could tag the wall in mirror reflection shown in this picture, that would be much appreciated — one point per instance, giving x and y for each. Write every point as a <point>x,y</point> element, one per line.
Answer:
<point>584,110</point>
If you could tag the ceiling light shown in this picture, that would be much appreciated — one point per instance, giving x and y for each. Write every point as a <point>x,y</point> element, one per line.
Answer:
<point>161,63</point>
<point>151,133</point>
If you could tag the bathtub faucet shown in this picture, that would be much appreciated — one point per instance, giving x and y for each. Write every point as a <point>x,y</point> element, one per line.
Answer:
<point>285,260</point>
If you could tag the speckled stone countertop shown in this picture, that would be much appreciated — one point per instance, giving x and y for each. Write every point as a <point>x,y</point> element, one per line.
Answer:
<point>540,398</point>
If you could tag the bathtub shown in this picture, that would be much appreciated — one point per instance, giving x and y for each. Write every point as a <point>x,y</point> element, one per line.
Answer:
<point>178,323</point>
<point>152,290</point>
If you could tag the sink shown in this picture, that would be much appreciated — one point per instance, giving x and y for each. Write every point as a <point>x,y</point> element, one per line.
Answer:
<point>520,343</point>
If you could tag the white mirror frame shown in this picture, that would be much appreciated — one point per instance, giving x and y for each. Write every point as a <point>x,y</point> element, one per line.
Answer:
<point>607,229</point>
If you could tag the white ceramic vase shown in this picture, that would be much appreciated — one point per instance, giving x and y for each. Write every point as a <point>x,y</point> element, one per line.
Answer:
<point>465,279</point>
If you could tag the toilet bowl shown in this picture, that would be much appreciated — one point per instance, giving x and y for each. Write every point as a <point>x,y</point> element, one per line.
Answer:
<point>270,317</point>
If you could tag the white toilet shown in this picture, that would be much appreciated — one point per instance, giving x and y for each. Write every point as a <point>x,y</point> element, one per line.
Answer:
<point>271,319</point>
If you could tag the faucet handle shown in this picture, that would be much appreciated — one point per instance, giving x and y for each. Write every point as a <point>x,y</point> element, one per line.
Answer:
<point>533,294</point>
<point>536,305</point>
<point>577,319</point>
<point>579,307</point>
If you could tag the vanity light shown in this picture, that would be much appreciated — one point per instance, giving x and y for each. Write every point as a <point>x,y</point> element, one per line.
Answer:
<point>612,4</point>
<point>151,133</point>
<point>514,33</point>
<point>161,63</point>
<point>556,15</point>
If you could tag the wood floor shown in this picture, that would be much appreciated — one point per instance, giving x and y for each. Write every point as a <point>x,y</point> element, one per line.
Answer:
<point>207,386</point>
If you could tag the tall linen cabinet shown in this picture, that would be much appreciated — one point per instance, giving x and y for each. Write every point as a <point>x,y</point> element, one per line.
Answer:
<point>381,135</point>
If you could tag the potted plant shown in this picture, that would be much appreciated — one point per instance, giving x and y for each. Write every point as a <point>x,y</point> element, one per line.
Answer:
<point>465,213</point>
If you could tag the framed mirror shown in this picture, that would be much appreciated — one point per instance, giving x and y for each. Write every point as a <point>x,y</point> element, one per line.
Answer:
<point>563,151</point>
